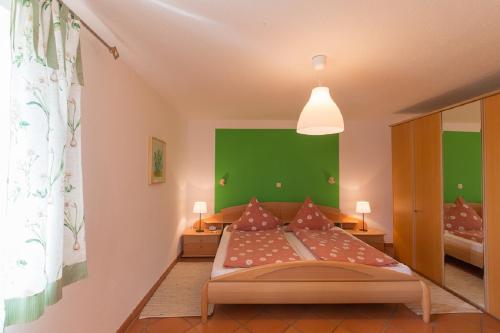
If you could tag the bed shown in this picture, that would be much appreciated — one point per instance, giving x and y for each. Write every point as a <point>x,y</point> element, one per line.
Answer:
<point>464,249</point>
<point>308,281</point>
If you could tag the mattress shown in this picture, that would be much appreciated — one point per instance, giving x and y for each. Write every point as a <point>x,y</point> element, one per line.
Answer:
<point>304,253</point>
<point>461,242</point>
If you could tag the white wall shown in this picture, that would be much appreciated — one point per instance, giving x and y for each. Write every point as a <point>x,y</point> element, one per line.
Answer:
<point>365,165</point>
<point>365,171</point>
<point>133,229</point>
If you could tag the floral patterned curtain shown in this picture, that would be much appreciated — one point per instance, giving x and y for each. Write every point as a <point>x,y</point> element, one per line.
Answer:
<point>42,238</point>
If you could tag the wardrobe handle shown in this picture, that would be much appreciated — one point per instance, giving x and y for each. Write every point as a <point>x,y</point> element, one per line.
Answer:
<point>418,211</point>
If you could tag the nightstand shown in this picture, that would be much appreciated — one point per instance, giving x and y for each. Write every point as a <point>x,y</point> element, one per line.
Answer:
<point>373,237</point>
<point>200,244</point>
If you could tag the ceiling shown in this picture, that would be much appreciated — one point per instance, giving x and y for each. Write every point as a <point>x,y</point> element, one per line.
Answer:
<point>250,59</point>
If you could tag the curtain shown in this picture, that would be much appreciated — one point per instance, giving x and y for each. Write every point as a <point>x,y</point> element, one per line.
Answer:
<point>43,234</point>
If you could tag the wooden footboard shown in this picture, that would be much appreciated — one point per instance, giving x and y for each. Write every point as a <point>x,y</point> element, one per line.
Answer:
<point>315,282</point>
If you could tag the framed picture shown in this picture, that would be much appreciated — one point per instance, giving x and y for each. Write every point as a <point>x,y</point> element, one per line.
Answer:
<point>156,157</point>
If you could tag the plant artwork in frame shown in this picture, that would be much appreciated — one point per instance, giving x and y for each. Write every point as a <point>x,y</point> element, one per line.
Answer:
<point>156,161</point>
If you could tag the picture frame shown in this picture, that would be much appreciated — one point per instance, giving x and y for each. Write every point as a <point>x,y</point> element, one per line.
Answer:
<point>156,160</point>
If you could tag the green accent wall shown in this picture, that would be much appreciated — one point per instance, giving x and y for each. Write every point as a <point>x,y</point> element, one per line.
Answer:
<point>462,164</point>
<point>253,160</point>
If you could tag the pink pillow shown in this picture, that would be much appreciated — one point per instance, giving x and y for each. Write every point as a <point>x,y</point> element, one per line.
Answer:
<point>461,216</point>
<point>256,218</point>
<point>310,217</point>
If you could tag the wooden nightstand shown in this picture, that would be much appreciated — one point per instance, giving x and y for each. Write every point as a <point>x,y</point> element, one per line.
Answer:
<point>200,244</point>
<point>373,237</point>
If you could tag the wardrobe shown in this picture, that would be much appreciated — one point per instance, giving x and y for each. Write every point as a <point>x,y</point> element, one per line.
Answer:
<point>418,199</point>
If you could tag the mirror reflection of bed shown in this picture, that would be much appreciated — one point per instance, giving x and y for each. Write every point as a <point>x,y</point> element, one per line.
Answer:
<point>464,260</point>
<point>463,209</point>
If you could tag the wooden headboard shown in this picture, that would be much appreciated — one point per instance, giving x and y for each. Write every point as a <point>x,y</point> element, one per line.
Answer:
<point>476,206</point>
<point>285,211</point>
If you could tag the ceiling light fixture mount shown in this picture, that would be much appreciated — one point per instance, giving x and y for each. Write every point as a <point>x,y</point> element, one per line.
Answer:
<point>319,62</point>
<point>320,115</point>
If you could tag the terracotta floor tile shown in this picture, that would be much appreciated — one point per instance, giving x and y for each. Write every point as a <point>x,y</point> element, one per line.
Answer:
<point>364,325</point>
<point>405,320</point>
<point>475,318</point>
<point>218,323</point>
<point>192,330</point>
<point>316,325</point>
<point>335,311</point>
<point>341,329</point>
<point>403,311</point>
<point>409,325</point>
<point>354,318</point>
<point>170,325</point>
<point>193,321</point>
<point>489,330</point>
<point>292,329</point>
<point>490,323</point>
<point>392,329</point>
<point>240,312</point>
<point>447,323</point>
<point>289,313</point>
<point>263,324</point>
<point>137,326</point>
<point>376,311</point>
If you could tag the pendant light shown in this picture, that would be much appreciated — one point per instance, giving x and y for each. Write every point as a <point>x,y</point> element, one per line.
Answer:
<point>320,115</point>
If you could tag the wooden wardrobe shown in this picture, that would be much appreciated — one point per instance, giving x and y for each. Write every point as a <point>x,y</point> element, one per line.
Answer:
<point>491,160</point>
<point>417,195</point>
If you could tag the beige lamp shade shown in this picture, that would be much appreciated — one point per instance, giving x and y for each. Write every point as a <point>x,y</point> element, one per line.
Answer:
<point>363,207</point>
<point>200,207</point>
<point>320,115</point>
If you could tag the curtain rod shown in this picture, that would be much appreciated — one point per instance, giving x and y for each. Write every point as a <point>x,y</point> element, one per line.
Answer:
<point>112,49</point>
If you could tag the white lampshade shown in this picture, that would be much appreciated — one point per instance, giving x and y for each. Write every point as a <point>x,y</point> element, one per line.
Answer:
<point>321,115</point>
<point>363,207</point>
<point>200,207</point>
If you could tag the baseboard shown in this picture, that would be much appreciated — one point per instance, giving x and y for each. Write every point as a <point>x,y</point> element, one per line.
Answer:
<point>137,310</point>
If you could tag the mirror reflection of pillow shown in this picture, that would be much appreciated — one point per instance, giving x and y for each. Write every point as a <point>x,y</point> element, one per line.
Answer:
<point>461,217</point>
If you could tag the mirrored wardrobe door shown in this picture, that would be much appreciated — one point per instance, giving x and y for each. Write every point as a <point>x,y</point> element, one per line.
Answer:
<point>463,201</point>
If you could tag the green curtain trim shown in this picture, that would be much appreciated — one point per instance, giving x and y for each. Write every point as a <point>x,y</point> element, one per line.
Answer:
<point>36,25</point>
<point>74,273</point>
<point>79,65</point>
<point>26,309</point>
<point>63,16</point>
<point>13,8</point>
<point>51,48</point>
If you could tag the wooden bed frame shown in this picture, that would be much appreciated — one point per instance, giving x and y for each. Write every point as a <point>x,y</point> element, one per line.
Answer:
<point>285,211</point>
<point>311,282</point>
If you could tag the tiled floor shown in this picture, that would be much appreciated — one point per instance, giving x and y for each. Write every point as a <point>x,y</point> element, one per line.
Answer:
<point>374,318</point>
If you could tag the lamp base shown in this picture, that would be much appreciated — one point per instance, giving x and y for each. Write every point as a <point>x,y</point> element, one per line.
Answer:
<point>363,225</point>
<point>199,226</point>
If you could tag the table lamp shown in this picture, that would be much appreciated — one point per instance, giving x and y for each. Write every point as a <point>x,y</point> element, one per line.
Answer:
<point>200,207</point>
<point>363,207</point>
